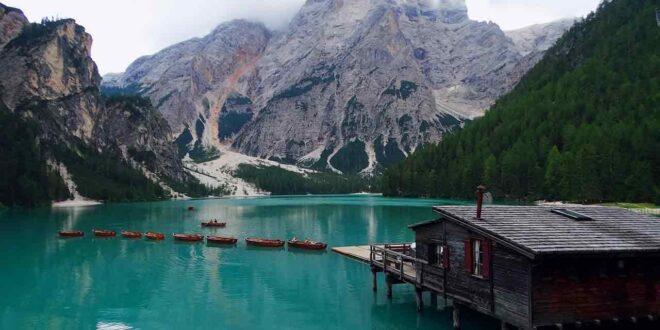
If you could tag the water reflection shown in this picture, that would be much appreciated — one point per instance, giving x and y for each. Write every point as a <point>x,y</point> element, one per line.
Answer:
<point>89,282</point>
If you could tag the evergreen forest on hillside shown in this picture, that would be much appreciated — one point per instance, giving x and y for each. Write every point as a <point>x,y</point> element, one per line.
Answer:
<point>582,125</point>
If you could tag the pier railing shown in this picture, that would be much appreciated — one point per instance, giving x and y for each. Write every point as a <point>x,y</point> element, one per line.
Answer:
<point>397,259</point>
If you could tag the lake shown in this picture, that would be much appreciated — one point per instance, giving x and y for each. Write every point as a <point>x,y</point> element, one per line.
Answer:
<point>53,283</point>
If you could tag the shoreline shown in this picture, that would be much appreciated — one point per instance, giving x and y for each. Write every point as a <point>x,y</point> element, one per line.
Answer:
<point>75,203</point>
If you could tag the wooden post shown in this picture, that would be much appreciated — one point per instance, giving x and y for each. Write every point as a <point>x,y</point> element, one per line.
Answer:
<point>434,300</point>
<point>503,325</point>
<point>418,299</point>
<point>374,278</point>
<point>456,316</point>
<point>388,281</point>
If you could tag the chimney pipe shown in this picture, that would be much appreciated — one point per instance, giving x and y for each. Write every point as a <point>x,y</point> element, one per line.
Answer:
<point>480,200</point>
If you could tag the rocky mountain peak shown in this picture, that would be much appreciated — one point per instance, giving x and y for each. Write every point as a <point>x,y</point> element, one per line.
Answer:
<point>12,21</point>
<point>348,86</point>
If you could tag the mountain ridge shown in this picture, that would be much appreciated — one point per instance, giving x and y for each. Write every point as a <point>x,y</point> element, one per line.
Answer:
<point>370,74</point>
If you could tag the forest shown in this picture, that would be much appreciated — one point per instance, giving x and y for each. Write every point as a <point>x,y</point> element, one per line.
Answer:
<point>282,182</point>
<point>582,125</point>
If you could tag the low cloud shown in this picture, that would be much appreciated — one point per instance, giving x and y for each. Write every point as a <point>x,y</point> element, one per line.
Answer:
<point>124,30</point>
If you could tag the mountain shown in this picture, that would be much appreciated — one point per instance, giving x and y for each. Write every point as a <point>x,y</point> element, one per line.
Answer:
<point>349,86</point>
<point>583,124</point>
<point>61,137</point>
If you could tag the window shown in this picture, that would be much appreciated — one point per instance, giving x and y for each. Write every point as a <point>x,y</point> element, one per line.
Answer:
<point>477,259</point>
<point>437,255</point>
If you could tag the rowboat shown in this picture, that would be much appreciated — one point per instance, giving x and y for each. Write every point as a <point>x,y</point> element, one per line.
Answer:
<point>306,244</point>
<point>104,233</point>
<point>264,242</point>
<point>131,234</point>
<point>71,233</point>
<point>188,237</point>
<point>221,240</point>
<point>154,236</point>
<point>213,224</point>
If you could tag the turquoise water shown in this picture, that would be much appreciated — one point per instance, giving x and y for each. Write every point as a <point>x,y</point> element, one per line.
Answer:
<point>53,283</point>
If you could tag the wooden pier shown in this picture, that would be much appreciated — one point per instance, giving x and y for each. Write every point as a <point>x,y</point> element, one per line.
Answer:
<point>394,260</point>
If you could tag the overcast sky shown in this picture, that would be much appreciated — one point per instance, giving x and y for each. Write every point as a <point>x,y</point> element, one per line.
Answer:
<point>123,30</point>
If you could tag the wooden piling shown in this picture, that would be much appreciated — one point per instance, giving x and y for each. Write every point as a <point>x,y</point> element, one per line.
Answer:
<point>388,281</point>
<point>434,300</point>
<point>418,299</point>
<point>374,273</point>
<point>456,316</point>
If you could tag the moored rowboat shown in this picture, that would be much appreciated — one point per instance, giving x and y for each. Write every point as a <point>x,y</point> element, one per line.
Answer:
<point>264,242</point>
<point>71,233</point>
<point>188,237</point>
<point>131,234</point>
<point>154,236</point>
<point>213,224</point>
<point>221,240</point>
<point>104,233</point>
<point>307,244</point>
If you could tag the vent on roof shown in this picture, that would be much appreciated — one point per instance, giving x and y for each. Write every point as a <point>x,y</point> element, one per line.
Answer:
<point>571,214</point>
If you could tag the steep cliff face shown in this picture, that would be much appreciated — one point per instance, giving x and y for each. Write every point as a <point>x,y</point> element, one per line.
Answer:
<point>49,78</point>
<point>386,77</point>
<point>12,22</point>
<point>189,82</point>
<point>349,85</point>
<point>48,74</point>
<point>132,125</point>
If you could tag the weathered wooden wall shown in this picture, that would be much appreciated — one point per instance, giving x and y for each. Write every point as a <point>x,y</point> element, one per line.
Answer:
<point>583,289</point>
<point>505,294</point>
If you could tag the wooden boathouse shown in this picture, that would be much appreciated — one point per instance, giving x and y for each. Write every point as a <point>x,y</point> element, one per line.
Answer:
<point>532,267</point>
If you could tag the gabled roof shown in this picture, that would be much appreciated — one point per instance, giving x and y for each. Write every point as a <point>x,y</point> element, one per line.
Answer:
<point>537,230</point>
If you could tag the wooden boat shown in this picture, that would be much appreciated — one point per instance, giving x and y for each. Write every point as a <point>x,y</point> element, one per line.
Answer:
<point>213,224</point>
<point>306,244</point>
<point>221,240</point>
<point>104,233</point>
<point>188,237</point>
<point>131,234</point>
<point>154,236</point>
<point>71,233</point>
<point>264,242</point>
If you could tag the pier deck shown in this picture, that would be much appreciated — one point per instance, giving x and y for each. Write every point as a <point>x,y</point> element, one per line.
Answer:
<point>387,258</point>
<point>357,252</point>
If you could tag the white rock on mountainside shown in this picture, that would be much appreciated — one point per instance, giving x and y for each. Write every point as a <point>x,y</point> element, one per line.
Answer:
<point>349,86</point>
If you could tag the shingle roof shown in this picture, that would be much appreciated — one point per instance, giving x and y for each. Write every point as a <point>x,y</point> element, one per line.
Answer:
<point>540,231</point>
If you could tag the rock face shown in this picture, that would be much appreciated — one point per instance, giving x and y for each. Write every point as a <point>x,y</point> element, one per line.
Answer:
<point>540,37</point>
<point>349,86</point>
<point>12,22</point>
<point>48,75</point>
<point>141,134</point>
<point>190,81</point>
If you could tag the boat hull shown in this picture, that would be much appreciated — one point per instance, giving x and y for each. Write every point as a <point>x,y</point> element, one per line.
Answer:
<point>104,233</point>
<point>188,237</point>
<point>71,233</point>
<point>154,236</point>
<point>221,240</point>
<point>264,242</point>
<point>131,234</point>
<point>214,224</point>
<point>306,245</point>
